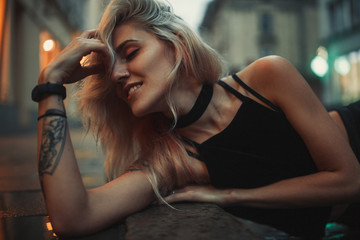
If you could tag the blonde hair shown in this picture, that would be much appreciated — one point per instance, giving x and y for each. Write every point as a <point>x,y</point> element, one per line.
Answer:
<point>146,142</point>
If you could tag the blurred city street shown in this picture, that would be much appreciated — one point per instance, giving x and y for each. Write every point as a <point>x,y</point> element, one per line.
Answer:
<point>320,38</point>
<point>22,208</point>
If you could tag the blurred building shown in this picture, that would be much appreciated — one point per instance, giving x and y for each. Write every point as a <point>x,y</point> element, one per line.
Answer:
<point>340,34</point>
<point>32,32</point>
<point>245,30</point>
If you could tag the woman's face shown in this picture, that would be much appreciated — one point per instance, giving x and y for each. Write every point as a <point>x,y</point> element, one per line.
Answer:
<point>143,64</point>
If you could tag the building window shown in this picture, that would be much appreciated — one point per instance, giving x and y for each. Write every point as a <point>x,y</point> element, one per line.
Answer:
<point>344,15</point>
<point>355,13</point>
<point>267,39</point>
<point>266,23</point>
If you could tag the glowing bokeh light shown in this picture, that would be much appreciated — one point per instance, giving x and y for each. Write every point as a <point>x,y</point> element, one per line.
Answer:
<point>342,66</point>
<point>322,52</point>
<point>319,66</point>
<point>48,45</point>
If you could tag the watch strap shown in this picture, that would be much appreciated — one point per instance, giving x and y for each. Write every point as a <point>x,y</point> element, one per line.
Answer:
<point>43,90</point>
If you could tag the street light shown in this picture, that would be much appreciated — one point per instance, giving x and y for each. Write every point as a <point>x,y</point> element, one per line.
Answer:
<point>48,45</point>
<point>319,64</point>
<point>342,66</point>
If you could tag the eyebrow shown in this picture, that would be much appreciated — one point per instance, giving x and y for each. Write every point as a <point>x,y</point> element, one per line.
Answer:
<point>121,46</point>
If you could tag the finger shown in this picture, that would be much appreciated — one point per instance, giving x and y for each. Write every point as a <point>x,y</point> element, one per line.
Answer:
<point>89,34</point>
<point>92,45</point>
<point>84,72</point>
<point>93,69</point>
<point>187,188</point>
<point>87,47</point>
<point>90,70</point>
<point>172,198</point>
<point>178,197</point>
<point>98,47</point>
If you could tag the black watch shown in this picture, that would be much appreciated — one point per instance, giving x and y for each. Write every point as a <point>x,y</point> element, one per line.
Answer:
<point>41,91</point>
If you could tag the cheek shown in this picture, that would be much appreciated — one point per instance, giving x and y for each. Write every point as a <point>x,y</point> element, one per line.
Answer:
<point>161,69</point>
<point>160,61</point>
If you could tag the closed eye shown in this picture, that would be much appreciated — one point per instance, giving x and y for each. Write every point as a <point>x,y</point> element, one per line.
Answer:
<point>132,54</point>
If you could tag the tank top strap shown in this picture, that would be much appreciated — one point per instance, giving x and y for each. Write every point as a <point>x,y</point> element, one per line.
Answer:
<point>232,90</point>
<point>257,95</point>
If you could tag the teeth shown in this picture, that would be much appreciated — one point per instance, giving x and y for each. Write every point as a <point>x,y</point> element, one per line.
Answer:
<point>133,89</point>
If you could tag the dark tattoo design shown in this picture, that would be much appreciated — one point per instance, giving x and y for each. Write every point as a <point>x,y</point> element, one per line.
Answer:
<point>52,144</point>
<point>60,100</point>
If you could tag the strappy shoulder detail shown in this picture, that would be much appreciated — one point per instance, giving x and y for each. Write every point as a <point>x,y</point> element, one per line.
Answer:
<point>257,95</point>
<point>232,90</point>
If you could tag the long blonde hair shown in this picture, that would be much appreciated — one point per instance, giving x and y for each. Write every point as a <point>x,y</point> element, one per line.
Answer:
<point>147,142</point>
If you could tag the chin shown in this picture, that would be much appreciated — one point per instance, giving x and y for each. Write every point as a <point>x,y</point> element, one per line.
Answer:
<point>139,112</point>
<point>144,108</point>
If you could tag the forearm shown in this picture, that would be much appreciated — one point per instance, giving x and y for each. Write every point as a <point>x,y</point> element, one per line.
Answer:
<point>64,192</point>
<point>71,207</point>
<point>320,189</point>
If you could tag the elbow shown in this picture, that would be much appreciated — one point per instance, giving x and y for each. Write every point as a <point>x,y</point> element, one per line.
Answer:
<point>63,228</point>
<point>352,187</point>
<point>69,225</point>
<point>357,188</point>
<point>68,218</point>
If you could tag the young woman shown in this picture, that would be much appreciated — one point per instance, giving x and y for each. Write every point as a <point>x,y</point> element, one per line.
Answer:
<point>258,143</point>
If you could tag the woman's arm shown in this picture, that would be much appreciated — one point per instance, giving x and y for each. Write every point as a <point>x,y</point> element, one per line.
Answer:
<point>338,179</point>
<point>72,209</point>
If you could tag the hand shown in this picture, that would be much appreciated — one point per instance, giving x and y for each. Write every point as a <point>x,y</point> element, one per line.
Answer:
<point>198,193</point>
<point>66,67</point>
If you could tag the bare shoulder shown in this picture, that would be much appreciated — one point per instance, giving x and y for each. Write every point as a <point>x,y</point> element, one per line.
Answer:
<point>272,76</point>
<point>271,61</point>
<point>268,69</point>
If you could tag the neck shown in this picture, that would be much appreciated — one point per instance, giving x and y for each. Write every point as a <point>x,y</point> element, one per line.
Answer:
<point>184,96</point>
<point>216,117</point>
<point>199,107</point>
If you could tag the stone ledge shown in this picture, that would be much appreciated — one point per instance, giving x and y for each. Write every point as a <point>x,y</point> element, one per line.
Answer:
<point>195,221</point>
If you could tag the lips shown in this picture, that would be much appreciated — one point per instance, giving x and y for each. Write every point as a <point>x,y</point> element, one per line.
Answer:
<point>130,89</point>
<point>133,89</point>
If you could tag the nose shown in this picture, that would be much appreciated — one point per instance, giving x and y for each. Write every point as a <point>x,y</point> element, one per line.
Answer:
<point>119,73</point>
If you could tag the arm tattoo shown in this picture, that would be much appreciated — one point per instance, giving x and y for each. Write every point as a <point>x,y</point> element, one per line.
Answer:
<point>60,100</point>
<point>52,144</point>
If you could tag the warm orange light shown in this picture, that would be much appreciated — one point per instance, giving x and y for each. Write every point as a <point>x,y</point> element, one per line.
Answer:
<point>48,45</point>
<point>2,20</point>
<point>49,226</point>
<point>84,61</point>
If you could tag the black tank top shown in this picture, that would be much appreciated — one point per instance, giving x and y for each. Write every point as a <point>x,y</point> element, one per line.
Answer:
<point>257,148</point>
